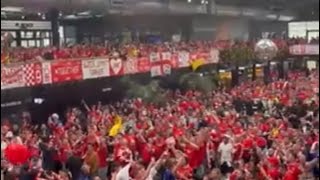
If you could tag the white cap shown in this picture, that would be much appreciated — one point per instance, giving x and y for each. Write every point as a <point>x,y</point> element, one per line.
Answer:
<point>55,116</point>
<point>9,134</point>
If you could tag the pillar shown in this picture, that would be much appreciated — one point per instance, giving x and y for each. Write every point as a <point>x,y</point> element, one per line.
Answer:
<point>53,16</point>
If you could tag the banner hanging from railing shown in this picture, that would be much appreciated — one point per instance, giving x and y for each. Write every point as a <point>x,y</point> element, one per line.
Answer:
<point>21,76</point>
<point>41,73</point>
<point>62,71</point>
<point>306,49</point>
<point>12,77</point>
<point>183,59</point>
<point>95,68</point>
<point>116,67</point>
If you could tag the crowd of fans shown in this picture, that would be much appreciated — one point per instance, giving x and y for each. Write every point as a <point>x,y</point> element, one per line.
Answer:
<point>251,132</point>
<point>21,54</point>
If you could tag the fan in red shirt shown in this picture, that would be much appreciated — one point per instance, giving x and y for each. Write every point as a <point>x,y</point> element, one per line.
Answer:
<point>103,154</point>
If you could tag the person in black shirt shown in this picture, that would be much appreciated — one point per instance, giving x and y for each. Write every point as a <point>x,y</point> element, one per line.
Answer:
<point>48,153</point>
<point>74,165</point>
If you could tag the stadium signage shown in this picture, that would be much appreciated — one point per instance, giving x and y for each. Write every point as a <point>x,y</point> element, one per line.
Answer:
<point>25,25</point>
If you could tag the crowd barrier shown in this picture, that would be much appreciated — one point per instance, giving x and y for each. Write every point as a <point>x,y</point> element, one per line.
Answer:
<point>307,49</point>
<point>157,64</point>
<point>58,71</point>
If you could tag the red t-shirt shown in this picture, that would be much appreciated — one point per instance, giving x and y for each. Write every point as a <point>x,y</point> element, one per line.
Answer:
<point>102,153</point>
<point>63,153</point>
<point>131,141</point>
<point>274,173</point>
<point>195,156</point>
<point>34,152</point>
<point>248,143</point>
<point>185,171</point>
<point>293,172</point>
<point>146,153</point>
<point>159,148</point>
<point>237,154</point>
<point>261,141</point>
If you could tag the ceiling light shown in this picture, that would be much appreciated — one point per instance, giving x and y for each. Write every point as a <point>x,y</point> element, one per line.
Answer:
<point>12,9</point>
<point>286,18</point>
<point>189,1</point>
<point>272,16</point>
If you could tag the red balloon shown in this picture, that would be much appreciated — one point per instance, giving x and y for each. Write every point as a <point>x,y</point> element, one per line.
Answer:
<point>17,154</point>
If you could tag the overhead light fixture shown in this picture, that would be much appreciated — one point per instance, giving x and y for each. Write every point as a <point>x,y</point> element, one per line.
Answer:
<point>189,1</point>
<point>85,13</point>
<point>272,16</point>
<point>249,12</point>
<point>285,18</point>
<point>12,9</point>
<point>106,89</point>
<point>38,100</point>
<point>72,16</point>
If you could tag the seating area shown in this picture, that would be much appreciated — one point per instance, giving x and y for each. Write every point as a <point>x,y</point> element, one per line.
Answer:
<point>20,54</point>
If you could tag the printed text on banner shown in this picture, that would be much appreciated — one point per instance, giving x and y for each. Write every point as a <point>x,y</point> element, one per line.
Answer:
<point>66,71</point>
<point>95,68</point>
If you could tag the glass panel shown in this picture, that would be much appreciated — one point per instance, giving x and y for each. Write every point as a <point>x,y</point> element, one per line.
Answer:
<point>13,44</point>
<point>39,43</point>
<point>297,33</point>
<point>46,42</point>
<point>38,34</point>
<point>32,43</point>
<point>71,41</point>
<point>23,34</point>
<point>24,43</point>
<point>313,35</point>
<point>299,29</point>
<point>312,25</point>
<point>312,65</point>
<point>29,34</point>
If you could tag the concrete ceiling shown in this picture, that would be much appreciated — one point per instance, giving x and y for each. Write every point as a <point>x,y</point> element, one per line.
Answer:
<point>304,8</point>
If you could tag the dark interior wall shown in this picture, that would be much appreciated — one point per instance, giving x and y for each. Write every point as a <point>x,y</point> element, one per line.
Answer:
<point>165,25</point>
<point>61,96</point>
<point>258,27</point>
<point>218,28</point>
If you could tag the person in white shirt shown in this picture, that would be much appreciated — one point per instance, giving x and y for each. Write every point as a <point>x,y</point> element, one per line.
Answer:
<point>225,151</point>
<point>123,173</point>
